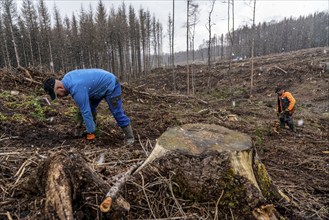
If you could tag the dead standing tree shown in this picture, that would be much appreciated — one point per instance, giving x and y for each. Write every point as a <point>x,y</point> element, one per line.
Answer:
<point>209,42</point>
<point>195,19</point>
<point>231,40</point>
<point>191,12</point>
<point>187,47</point>
<point>252,50</point>
<point>8,17</point>
<point>172,45</point>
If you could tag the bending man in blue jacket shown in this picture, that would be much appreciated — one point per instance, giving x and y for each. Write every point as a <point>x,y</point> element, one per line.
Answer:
<point>88,87</point>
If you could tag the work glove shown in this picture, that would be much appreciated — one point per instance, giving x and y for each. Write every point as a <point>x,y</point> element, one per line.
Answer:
<point>90,136</point>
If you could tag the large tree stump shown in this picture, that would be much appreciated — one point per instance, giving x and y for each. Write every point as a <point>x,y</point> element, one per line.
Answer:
<point>63,178</point>
<point>210,163</point>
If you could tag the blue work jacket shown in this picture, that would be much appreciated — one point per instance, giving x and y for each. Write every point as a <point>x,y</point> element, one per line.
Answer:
<point>85,85</point>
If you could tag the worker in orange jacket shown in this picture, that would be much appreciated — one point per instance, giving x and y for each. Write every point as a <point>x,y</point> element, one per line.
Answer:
<point>285,108</point>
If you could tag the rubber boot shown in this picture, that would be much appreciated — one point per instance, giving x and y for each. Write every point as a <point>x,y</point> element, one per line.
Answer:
<point>292,126</point>
<point>282,123</point>
<point>129,136</point>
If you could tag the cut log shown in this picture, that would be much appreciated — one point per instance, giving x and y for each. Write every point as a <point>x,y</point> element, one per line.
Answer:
<point>112,194</point>
<point>208,160</point>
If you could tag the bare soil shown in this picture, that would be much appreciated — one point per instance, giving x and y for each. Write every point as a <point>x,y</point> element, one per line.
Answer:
<point>31,129</point>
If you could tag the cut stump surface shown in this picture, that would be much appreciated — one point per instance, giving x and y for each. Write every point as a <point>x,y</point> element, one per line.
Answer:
<point>208,160</point>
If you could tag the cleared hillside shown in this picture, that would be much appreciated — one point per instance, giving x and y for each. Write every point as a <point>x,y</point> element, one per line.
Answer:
<point>31,129</point>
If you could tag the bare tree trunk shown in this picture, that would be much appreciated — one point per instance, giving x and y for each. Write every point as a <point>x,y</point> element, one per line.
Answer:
<point>82,59</point>
<point>90,59</point>
<point>114,66</point>
<point>187,48</point>
<point>252,50</point>
<point>121,58</point>
<point>39,52</point>
<point>31,49</point>
<point>231,38</point>
<point>209,43</point>
<point>328,28</point>
<point>51,57</point>
<point>193,60</point>
<point>158,34</point>
<point>6,53</point>
<point>172,45</point>
<point>194,14</point>
<point>15,45</point>
<point>127,60</point>
<point>221,47</point>
<point>138,51</point>
<point>233,32</point>
<point>148,42</point>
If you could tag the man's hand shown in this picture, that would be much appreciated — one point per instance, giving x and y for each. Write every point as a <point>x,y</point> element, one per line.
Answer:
<point>90,136</point>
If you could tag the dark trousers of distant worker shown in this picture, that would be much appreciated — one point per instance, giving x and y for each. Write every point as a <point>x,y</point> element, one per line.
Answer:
<point>286,118</point>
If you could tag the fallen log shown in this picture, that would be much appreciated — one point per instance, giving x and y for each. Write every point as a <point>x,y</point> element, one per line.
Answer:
<point>208,162</point>
<point>112,194</point>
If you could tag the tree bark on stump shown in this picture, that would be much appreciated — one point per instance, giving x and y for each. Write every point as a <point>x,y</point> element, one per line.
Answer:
<point>207,163</point>
<point>211,162</point>
<point>62,178</point>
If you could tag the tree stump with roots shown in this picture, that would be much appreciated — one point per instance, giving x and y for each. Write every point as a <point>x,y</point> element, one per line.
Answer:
<point>212,163</point>
<point>65,178</point>
<point>207,163</point>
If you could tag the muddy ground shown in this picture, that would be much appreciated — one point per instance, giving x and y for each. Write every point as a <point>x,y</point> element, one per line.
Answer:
<point>31,129</point>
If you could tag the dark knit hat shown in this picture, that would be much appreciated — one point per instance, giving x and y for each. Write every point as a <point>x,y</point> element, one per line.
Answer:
<point>48,86</point>
<point>278,89</point>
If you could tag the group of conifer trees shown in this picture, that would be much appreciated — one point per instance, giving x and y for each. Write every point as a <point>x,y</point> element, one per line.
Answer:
<point>290,34</point>
<point>130,43</point>
<point>118,40</point>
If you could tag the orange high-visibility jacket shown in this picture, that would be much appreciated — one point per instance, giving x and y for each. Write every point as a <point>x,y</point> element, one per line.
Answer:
<point>286,102</point>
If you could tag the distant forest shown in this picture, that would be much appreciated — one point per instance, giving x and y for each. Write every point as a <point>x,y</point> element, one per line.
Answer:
<point>129,42</point>
<point>270,37</point>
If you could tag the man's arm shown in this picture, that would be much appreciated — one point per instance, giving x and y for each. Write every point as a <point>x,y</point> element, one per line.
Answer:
<point>291,100</point>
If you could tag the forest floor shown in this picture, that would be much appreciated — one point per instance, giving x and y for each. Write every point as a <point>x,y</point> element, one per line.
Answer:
<point>298,163</point>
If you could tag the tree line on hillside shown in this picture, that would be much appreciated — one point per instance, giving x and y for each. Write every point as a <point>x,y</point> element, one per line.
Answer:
<point>130,43</point>
<point>270,37</point>
<point>121,41</point>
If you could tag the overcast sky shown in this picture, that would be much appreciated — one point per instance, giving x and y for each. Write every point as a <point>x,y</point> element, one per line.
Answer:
<point>266,10</point>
